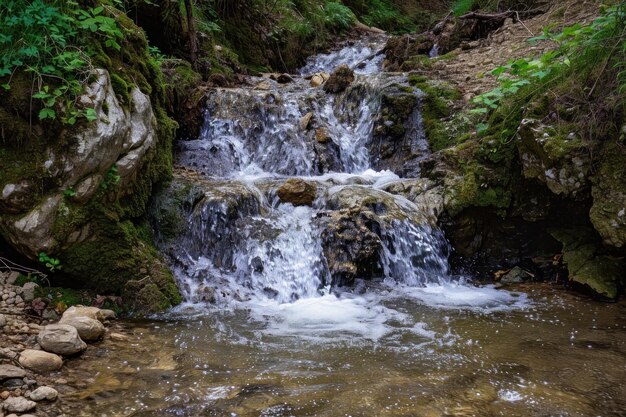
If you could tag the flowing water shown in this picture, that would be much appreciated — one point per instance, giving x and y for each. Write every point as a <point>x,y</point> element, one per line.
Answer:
<point>279,322</point>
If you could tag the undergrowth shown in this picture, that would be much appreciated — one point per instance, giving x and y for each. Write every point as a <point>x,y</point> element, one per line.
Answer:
<point>584,74</point>
<point>50,41</point>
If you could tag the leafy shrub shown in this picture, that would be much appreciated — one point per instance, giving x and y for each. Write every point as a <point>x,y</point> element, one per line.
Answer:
<point>596,50</point>
<point>338,15</point>
<point>48,40</point>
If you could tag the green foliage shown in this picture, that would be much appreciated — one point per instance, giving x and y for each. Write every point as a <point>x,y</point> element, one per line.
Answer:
<point>48,39</point>
<point>338,15</point>
<point>460,7</point>
<point>111,179</point>
<point>53,264</point>
<point>580,51</point>
<point>69,192</point>
<point>385,15</point>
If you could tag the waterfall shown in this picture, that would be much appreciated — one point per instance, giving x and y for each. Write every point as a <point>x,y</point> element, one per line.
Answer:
<point>240,241</point>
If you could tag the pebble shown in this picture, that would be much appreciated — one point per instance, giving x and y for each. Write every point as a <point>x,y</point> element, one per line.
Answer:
<point>44,393</point>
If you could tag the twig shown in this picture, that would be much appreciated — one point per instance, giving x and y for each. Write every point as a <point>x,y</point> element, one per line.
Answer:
<point>526,27</point>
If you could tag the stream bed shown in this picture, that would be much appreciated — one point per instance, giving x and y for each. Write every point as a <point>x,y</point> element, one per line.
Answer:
<point>432,352</point>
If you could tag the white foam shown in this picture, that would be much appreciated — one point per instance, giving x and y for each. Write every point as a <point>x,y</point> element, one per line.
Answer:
<point>330,318</point>
<point>461,296</point>
<point>510,395</point>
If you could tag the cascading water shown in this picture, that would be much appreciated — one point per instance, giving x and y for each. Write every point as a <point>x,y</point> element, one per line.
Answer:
<point>242,243</point>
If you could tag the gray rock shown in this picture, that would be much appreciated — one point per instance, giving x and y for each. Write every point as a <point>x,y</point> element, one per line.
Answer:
<point>515,275</point>
<point>3,320</point>
<point>61,339</point>
<point>82,311</point>
<point>40,361</point>
<point>88,329</point>
<point>44,393</point>
<point>107,314</point>
<point>13,276</point>
<point>10,371</point>
<point>18,405</point>
<point>28,291</point>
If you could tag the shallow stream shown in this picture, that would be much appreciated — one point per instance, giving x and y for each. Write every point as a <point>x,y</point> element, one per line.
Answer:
<point>430,352</point>
<point>277,321</point>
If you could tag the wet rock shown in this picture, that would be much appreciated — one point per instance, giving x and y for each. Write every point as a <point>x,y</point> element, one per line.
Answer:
<point>44,393</point>
<point>515,275</point>
<point>586,263</point>
<point>398,131</point>
<point>40,361</point>
<point>297,192</point>
<point>327,152</point>
<point>305,120</point>
<point>61,339</point>
<point>339,80</point>
<point>284,79</point>
<point>88,329</point>
<point>263,85</point>
<point>321,135</point>
<point>319,78</point>
<point>10,371</point>
<point>18,405</point>
<point>351,247</point>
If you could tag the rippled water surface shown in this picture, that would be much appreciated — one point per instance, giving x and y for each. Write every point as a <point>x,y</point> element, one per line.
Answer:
<point>452,351</point>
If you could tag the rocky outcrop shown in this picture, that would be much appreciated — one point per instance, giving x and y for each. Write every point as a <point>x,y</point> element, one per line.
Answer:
<point>561,160</point>
<point>76,192</point>
<point>608,190</point>
<point>353,230</point>
<point>587,265</point>
<point>90,165</point>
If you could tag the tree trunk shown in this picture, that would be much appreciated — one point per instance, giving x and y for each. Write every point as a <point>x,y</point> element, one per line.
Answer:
<point>191,33</point>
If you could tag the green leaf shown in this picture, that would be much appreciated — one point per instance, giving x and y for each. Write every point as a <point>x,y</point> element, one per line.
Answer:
<point>47,113</point>
<point>90,114</point>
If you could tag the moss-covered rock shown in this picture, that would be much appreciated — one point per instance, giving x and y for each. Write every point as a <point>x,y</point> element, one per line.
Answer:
<point>78,194</point>
<point>554,156</point>
<point>586,263</point>
<point>608,212</point>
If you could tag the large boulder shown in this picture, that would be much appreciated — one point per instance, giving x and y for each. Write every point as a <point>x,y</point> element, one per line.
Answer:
<point>61,339</point>
<point>40,361</point>
<point>78,198</point>
<point>297,192</point>
<point>339,80</point>
<point>88,329</point>
<point>83,311</point>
